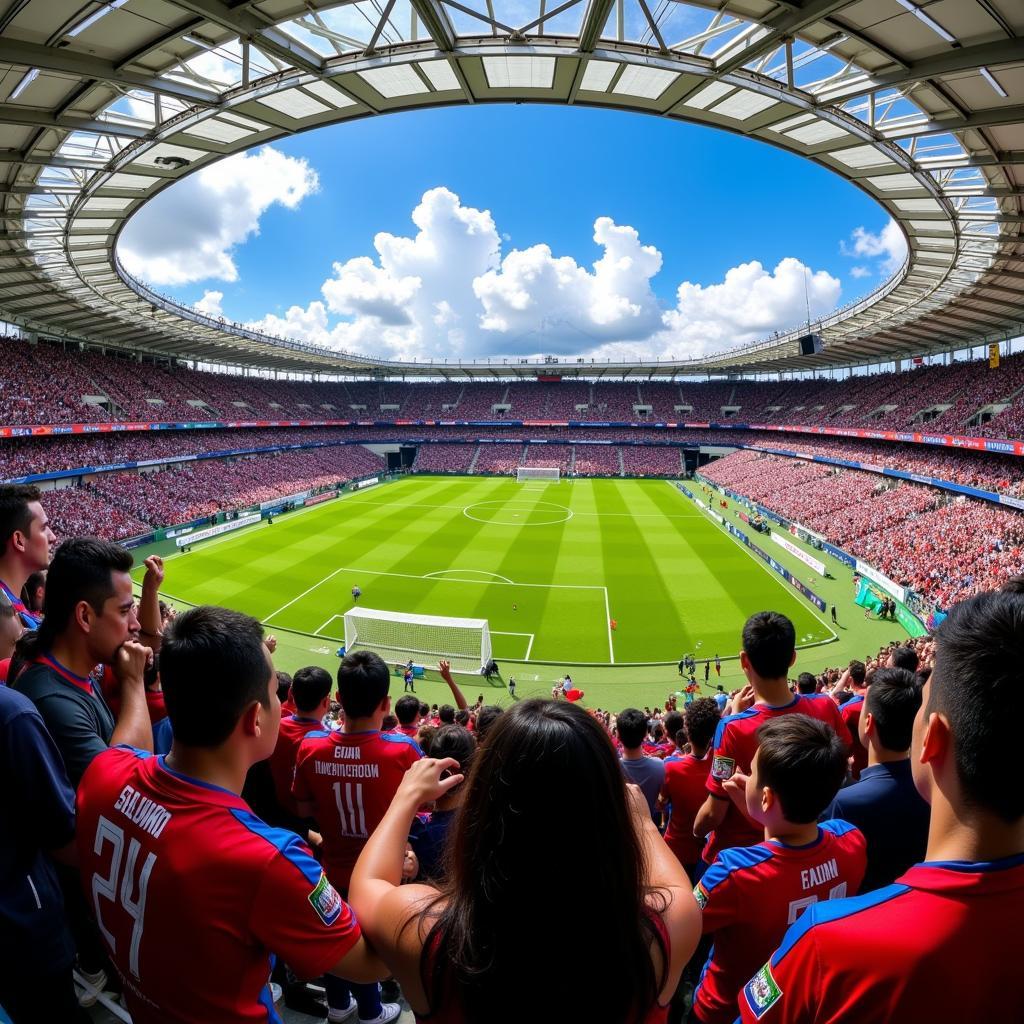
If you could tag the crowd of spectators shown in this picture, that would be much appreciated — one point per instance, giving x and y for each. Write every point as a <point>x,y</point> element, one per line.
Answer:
<point>119,387</point>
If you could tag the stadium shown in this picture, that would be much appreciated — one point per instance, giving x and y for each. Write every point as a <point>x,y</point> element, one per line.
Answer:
<point>567,511</point>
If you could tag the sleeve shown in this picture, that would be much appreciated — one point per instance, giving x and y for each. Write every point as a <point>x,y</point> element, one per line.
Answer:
<point>33,764</point>
<point>717,898</point>
<point>74,733</point>
<point>841,728</point>
<point>298,914</point>
<point>785,990</point>
<point>723,761</point>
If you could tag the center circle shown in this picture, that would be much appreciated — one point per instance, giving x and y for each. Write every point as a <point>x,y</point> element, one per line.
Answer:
<point>517,513</point>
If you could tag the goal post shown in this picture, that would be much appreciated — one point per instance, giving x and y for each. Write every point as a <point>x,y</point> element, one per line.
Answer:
<point>552,475</point>
<point>466,643</point>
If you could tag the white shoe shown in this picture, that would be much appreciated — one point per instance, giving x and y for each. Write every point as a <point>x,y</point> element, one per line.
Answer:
<point>97,983</point>
<point>340,1016</point>
<point>388,1013</point>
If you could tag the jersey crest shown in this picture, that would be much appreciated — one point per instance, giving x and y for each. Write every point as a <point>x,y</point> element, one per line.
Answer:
<point>723,768</point>
<point>325,901</point>
<point>762,992</point>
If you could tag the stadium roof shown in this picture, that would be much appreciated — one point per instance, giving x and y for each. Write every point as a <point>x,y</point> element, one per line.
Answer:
<point>103,103</point>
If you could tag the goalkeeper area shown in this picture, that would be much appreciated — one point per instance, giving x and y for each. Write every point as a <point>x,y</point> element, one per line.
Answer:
<point>606,572</point>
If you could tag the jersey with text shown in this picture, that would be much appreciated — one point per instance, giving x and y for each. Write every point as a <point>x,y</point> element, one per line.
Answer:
<point>734,748</point>
<point>294,729</point>
<point>350,778</point>
<point>751,895</point>
<point>685,788</point>
<point>936,945</point>
<point>192,893</point>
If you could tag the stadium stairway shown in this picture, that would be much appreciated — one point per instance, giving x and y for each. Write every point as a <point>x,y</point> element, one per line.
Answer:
<point>476,456</point>
<point>618,452</point>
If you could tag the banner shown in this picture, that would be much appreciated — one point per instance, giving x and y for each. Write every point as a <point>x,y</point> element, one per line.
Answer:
<point>900,593</point>
<point>214,531</point>
<point>318,498</point>
<point>867,598</point>
<point>360,484</point>
<point>785,542</point>
<point>278,502</point>
<point>993,357</point>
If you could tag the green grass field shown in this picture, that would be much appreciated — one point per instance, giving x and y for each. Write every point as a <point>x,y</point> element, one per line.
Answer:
<point>546,564</point>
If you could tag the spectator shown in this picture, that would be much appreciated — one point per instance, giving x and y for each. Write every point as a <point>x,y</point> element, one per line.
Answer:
<point>806,683</point>
<point>903,952</point>
<point>485,719</point>
<point>222,889</point>
<point>749,897</point>
<point>37,818</point>
<point>344,780</point>
<point>544,795</point>
<point>884,804</point>
<point>407,711</point>
<point>856,679</point>
<point>646,772</point>
<point>11,630</point>
<point>25,539</point>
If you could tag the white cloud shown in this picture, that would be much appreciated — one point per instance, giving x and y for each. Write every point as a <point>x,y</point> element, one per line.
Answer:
<point>210,303</point>
<point>449,291</point>
<point>889,244</point>
<point>188,232</point>
<point>860,271</point>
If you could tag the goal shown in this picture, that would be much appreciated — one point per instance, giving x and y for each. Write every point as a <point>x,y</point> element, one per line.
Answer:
<point>466,643</point>
<point>537,473</point>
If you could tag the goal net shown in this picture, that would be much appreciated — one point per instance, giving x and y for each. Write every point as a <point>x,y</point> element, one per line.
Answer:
<point>397,636</point>
<point>537,473</point>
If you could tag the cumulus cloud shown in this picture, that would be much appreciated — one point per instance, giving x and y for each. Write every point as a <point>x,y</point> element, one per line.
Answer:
<point>449,291</point>
<point>859,272</point>
<point>188,232</point>
<point>210,303</point>
<point>888,246</point>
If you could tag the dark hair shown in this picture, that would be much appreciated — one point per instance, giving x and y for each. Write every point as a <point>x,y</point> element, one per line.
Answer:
<point>893,699</point>
<point>446,714</point>
<point>906,658</point>
<point>769,640</point>
<point>462,717</point>
<point>485,719</point>
<point>407,709</point>
<point>389,723</point>
<point>701,719</point>
<point>804,763</point>
<point>632,727</point>
<point>213,666</point>
<point>35,580</point>
<point>15,514</point>
<point>284,685</point>
<point>309,687</point>
<point>363,682</point>
<point>542,758</point>
<point>453,741</point>
<point>424,710</point>
<point>806,683</point>
<point>82,570</point>
<point>976,682</point>
<point>858,673</point>
<point>673,723</point>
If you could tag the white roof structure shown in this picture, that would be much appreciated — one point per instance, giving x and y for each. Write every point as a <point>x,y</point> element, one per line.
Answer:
<point>920,103</point>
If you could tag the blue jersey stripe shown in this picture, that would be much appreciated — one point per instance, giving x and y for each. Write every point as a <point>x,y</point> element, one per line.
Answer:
<point>738,858</point>
<point>835,910</point>
<point>976,865</point>
<point>398,737</point>
<point>286,843</point>
<point>720,731</point>
<point>837,826</point>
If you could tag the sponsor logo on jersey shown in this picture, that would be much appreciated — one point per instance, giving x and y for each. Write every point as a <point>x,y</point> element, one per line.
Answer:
<point>761,991</point>
<point>723,768</point>
<point>325,900</point>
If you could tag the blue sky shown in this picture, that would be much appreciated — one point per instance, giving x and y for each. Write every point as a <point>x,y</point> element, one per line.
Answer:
<point>706,200</point>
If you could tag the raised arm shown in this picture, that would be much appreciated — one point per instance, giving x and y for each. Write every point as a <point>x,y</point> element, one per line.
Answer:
<point>445,668</point>
<point>150,632</point>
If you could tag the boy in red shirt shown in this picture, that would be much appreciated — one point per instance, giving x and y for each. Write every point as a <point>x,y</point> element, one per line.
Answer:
<point>311,692</point>
<point>346,779</point>
<point>938,943</point>
<point>193,893</point>
<point>749,896</point>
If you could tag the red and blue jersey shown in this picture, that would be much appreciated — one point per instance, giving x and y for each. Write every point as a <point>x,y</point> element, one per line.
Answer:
<point>850,713</point>
<point>351,779</point>
<point>685,789</point>
<point>294,729</point>
<point>734,748</point>
<point>750,895</point>
<point>935,945</point>
<point>29,619</point>
<point>192,893</point>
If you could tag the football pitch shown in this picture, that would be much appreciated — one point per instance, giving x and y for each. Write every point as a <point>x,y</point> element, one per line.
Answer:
<point>549,565</point>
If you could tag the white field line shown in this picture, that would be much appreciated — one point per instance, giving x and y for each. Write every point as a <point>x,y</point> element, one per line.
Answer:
<point>324,625</point>
<point>774,575</point>
<point>608,619</point>
<point>529,647</point>
<point>308,590</point>
<point>461,508</point>
<point>444,573</point>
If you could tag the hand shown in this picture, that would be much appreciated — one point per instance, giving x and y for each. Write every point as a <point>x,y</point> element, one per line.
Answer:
<point>736,787</point>
<point>743,700</point>
<point>154,571</point>
<point>445,668</point>
<point>130,661</point>
<point>427,781</point>
<point>270,642</point>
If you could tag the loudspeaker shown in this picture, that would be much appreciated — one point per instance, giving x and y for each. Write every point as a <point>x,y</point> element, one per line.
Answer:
<point>810,344</point>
